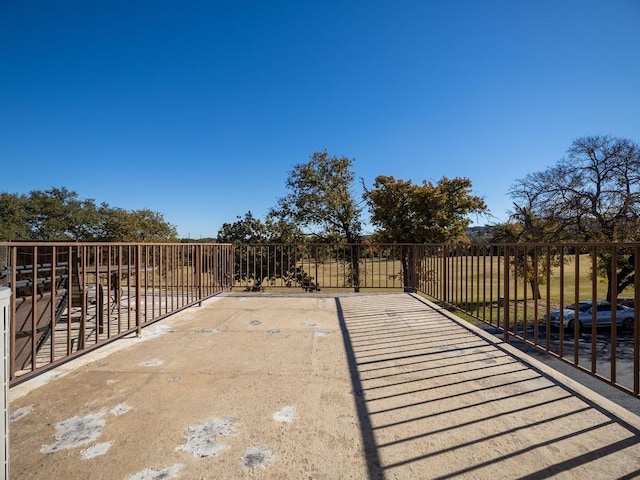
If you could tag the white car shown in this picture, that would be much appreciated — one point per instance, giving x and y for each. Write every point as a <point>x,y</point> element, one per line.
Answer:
<point>624,315</point>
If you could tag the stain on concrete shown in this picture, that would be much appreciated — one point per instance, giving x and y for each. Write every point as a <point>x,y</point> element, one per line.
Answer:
<point>164,474</point>
<point>321,334</point>
<point>75,432</point>
<point>255,322</point>
<point>310,324</point>
<point>96,450</point>
<point>203,439</point>
<point>78,431</point>
<point>255,457</point>
<point>120,409</point>
<point>20,413</point>
<point>152,363</point>
<point>287,414</point>
<point>209,330</point>
<point>273,332</point>
<point>157,330</point>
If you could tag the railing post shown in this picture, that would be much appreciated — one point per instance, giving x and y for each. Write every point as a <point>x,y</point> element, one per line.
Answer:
<point>355,267</point>
<point>5,318</point>
<point>636,322</point>
<point>198,272</point>
<point>507,333</point>
<point>12,313</point>
<point>445,275</point>
<point>413,265</point>
<point>138,274</point>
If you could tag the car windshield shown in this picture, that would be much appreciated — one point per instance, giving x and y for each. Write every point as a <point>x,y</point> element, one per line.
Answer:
<point>582,307</point>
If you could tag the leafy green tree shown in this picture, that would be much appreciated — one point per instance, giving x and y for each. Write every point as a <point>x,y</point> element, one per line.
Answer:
<point>58,214</point>
<point>321,200</point>
<point>427,213</point>
<point>592,194</point>
<point>13,217</point>
<point>137,226</point>
<point>254,262</point>
<point>244,230</point>
<point>54,214</point>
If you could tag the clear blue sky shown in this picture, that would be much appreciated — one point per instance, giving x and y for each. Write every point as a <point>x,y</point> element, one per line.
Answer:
<point>199,109</point>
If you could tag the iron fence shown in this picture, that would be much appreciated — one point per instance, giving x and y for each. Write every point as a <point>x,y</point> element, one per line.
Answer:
<point>315,267</point>
<point>69,298</point>
<point>573,301</point>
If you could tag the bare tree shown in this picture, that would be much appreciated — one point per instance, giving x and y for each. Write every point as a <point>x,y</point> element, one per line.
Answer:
<point>592,194</point>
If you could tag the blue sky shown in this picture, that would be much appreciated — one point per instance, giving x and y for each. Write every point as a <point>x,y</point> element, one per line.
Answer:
<point>199,109</point>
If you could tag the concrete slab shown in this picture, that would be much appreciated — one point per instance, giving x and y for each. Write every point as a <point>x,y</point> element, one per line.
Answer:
<point>316,386</point>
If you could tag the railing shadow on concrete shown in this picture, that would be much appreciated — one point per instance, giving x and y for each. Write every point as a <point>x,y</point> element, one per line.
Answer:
<point>438,400</point>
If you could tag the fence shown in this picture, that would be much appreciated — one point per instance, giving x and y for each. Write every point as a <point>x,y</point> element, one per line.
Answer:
<point>529,292</point>
<point>312,267</point>
<point>69,298</point>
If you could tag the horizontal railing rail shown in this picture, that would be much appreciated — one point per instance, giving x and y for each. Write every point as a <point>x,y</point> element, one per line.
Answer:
<point>70,298</point>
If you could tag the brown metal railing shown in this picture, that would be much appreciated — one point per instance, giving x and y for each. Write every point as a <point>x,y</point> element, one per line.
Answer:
<point>313,267</point>
<point>517,288</point>
<point>69,298</point>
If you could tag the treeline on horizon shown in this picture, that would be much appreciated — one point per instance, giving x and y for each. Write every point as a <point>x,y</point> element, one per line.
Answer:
<point>590,194</point>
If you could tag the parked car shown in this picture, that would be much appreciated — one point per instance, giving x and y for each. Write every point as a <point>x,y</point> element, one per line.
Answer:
<point>624,315</point>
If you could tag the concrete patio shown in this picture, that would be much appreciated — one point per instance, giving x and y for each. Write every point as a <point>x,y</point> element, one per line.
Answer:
<point>315,386</point>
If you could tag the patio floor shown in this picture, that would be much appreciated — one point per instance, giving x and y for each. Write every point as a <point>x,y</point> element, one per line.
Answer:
<point>315,386</point>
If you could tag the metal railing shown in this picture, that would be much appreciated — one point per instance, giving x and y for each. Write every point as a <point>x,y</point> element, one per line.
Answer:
<point>528,292</point>
<point>69,298</point>
<point>314,267</point>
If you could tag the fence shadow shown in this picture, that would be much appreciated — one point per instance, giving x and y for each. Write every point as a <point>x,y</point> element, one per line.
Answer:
<point>438,400</point>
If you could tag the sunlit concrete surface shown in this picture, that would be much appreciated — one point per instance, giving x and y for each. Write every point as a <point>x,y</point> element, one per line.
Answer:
<point>348,386</point>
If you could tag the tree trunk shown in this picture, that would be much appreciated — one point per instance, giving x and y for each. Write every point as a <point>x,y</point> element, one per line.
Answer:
<point>535,289</point>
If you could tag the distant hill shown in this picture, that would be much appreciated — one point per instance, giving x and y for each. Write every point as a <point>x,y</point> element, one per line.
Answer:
<point>480,234</point>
